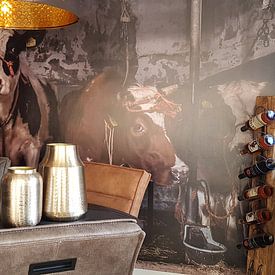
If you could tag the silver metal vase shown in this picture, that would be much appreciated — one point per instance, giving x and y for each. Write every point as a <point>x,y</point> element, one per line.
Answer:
<point>64,183</point>
<point>21,197</point>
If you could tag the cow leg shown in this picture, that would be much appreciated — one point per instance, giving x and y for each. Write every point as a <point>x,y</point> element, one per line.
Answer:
<point>28,152</point>
<point>180,207</point>
<point>31,154</point>
<point>12,148</point>
<point>203,214</point>
<point>231,227</point>
<point>15,157</point>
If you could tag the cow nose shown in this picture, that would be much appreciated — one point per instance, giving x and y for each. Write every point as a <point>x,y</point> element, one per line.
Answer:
<point>179,171</point>
<point>180,166</point>
<point>179,177</point>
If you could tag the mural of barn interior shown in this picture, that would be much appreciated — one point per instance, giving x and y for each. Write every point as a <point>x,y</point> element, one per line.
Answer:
<point>124,70</point>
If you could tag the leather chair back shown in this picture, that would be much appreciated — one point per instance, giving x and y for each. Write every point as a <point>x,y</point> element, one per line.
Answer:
<point>117,187</point>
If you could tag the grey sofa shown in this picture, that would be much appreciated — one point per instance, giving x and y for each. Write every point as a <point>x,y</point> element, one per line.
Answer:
<point>106,247</point>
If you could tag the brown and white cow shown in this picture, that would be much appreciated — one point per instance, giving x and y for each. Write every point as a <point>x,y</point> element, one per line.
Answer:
<point>28,106</point>
<point>122,127</point>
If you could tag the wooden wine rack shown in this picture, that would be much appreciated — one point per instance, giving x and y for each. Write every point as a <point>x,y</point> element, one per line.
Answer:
<point>262,260</point>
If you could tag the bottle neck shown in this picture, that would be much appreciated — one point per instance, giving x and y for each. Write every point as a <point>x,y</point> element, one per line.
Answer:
<point>268,116</point>
<point>263,215</point>
<point>265,191</point>
<point>257,241</point>
<point>270,164</point>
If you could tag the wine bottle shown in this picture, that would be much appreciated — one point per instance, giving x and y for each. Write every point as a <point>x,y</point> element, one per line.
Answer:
<point>257,241</point>
<point>260,168</point>
<point>264,143</point>
<point>259,120</point>
<point>258,192</point>
<point>258,216</point>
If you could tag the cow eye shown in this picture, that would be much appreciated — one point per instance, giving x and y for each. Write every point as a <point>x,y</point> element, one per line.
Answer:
<point>11,51</point>
<point>138,128</point>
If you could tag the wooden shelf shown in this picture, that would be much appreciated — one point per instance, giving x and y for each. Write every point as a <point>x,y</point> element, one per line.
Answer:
<point>264,258</point>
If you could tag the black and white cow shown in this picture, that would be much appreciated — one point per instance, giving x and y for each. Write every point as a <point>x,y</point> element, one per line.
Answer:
<point>28,106</point>
<point>224,109</point>
<point>234,104</point>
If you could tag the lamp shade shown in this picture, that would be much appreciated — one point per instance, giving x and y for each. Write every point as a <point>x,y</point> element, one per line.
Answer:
<point>25,15</point>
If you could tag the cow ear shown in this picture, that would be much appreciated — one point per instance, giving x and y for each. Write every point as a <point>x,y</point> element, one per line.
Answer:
<point>33,38</point>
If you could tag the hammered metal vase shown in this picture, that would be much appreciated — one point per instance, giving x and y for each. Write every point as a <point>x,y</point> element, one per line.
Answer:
<point>21,197</point>
<point>64,183</point>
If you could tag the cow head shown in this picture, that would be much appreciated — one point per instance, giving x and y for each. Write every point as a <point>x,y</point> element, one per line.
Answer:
<point>123,127</point>
<point>144,142</point>
<point>241,96</point>
<point>11,45</point>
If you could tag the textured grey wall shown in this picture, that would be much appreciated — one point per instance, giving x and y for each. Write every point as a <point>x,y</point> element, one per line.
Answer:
<point>159,38</point>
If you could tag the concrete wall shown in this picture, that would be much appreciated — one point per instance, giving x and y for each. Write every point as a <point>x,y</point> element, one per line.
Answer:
<point>159,35</point>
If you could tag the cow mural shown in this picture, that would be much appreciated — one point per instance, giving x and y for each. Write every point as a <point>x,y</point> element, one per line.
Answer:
<point>28,106</point>
<point>211,201</point>
<point>123,126</point>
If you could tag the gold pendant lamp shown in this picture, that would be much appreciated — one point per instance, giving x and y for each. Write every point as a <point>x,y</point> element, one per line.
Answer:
<point>31,15</point>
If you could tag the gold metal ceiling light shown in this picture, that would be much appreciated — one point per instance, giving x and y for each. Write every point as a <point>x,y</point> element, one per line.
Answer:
<point>15,14</point>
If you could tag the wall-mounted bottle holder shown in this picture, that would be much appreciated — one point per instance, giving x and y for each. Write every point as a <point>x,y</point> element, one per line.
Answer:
<point>257,198</point>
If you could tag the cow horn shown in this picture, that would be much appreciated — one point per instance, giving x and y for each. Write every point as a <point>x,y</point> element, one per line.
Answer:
<point>33,38</point>
<point>169,89</point>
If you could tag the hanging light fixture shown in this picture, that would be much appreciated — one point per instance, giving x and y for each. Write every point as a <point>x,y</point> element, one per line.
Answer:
<point>31,15</point>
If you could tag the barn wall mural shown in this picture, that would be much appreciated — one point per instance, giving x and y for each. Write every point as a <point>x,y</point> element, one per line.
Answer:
<point>107,76</point>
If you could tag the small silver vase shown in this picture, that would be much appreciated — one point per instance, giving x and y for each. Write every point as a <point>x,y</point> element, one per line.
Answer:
<point>21,197</point>
<point>64,183</point>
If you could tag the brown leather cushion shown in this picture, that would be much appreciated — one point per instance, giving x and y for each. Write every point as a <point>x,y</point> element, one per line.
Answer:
<point>114,186</point>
